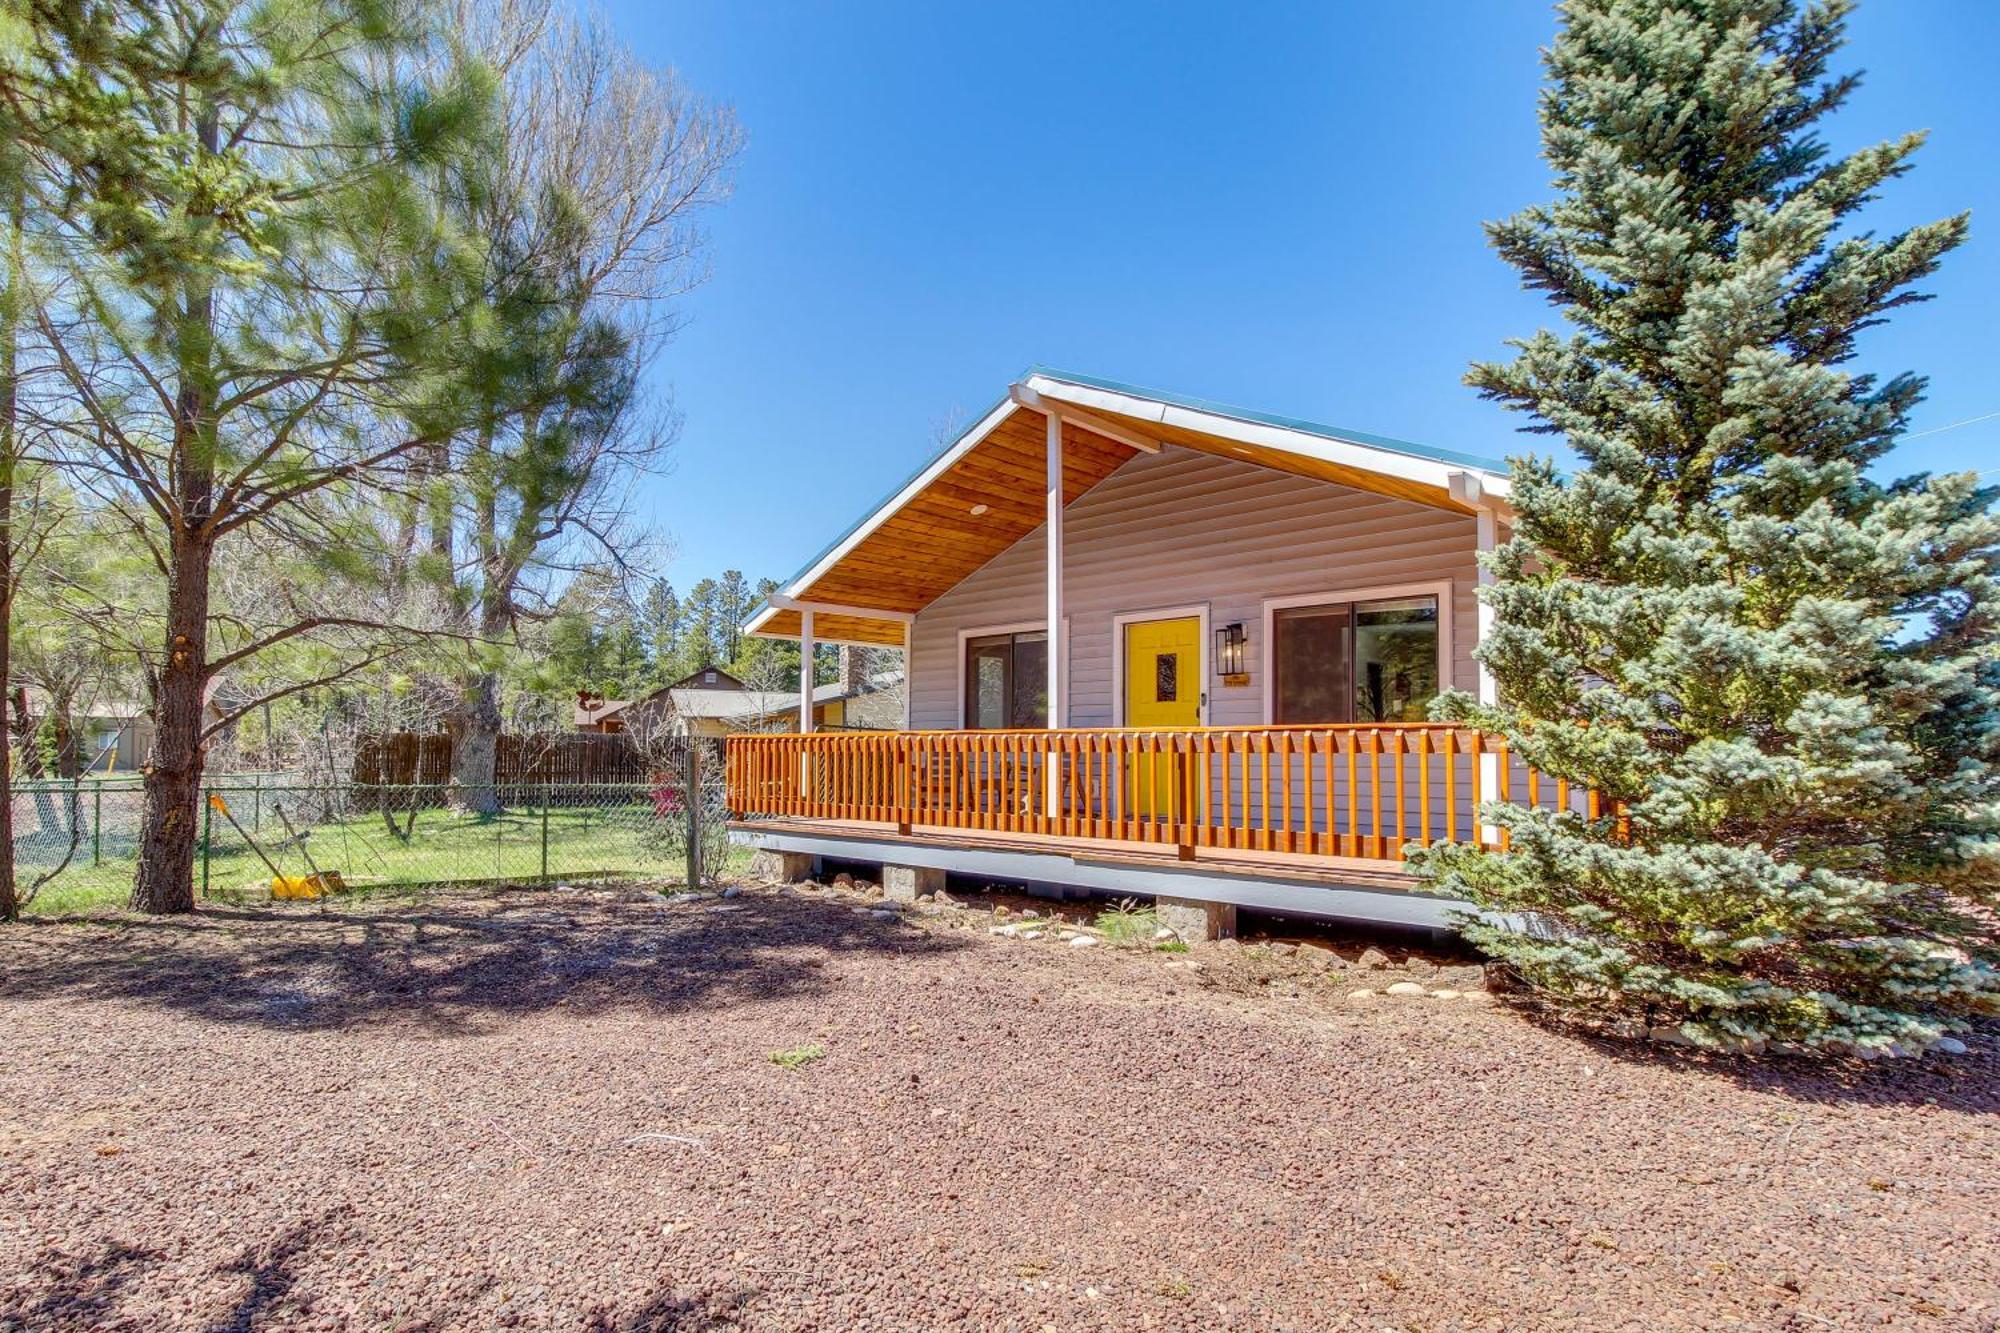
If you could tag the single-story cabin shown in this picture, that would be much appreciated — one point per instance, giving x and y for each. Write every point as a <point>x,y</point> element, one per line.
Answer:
<point>1250,616</point>
<point>707,701</point>
<point>710,702</point>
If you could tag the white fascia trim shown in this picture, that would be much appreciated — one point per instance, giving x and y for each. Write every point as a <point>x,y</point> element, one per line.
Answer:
<point>818,638</point>
<point>966,444</point>
<point>1347,453</point>
<point>783,603</point>
<point>1089,421</point>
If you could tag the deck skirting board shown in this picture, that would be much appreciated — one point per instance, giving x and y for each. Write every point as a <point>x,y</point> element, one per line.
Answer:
<point>1204,882</point>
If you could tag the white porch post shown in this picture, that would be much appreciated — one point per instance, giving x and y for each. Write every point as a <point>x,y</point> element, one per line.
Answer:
<point>805,698</point>
<point>909,639</point>
<point>1058,644</point>
<point>805,672</point>
<point>1488,536</point>
<point>1058,641</point>
<point>1488,539</point>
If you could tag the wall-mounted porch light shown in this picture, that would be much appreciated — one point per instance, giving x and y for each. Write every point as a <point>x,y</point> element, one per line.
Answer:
<point>1231,654</point>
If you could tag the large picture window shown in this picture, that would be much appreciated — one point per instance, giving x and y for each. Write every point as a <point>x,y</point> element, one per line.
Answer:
<point>1355,661</point>
<point>1007,680</point>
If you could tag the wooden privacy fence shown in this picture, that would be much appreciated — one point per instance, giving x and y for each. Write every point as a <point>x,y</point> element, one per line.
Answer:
<point>1348,790</point>
<point>408,758</point>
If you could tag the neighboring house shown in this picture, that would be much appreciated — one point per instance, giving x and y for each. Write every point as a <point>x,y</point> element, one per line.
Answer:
<point>682,698</point>
<point>113,735</point>
<point>594,712</point>
<point>712,702</point>
<point>117,737</point>
<point>858,699</point>
<point>1252,614</point>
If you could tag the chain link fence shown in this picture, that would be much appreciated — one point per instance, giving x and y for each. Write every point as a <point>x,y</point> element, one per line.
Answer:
<point>81,838</point>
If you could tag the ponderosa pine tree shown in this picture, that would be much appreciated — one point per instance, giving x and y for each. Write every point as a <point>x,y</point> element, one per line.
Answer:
<point>224,304</point>
<point>1779,671</point>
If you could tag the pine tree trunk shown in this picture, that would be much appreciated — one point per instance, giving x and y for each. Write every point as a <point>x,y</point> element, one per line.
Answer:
<point>168,827</point>
<point>10,905</point>
<point>25,727</point>
<point>475,747</point>
<point>10,452</point>
<point>165,881</point>
<point>475,724</point>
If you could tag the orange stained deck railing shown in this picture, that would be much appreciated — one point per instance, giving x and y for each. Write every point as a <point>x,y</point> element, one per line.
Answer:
<point>1345,790</point>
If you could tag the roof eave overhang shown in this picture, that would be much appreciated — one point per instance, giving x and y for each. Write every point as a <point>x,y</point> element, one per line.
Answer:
<point>760,620</point>
<point>1388,458</point>
<point>1450,482</point>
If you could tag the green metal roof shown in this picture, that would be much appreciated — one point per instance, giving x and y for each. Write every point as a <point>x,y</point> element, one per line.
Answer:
<point>1299,424</point>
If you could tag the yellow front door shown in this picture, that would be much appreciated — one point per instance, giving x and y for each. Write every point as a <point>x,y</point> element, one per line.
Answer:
<point>1163,682</point>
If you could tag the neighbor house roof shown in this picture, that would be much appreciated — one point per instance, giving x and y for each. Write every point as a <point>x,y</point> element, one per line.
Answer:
<point>746,703</point>
<point>731,703</point>
<point>708,677</point>
<point>985,491</point>
<point>588,713</point>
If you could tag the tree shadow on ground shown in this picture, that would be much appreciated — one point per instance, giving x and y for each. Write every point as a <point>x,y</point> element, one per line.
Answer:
<point>670,1312</point>
<point>1968,1084</point>
<point>73,1292</point>
<point>94,1293</point>
<point>456,964</point>
<point>268,1268</point>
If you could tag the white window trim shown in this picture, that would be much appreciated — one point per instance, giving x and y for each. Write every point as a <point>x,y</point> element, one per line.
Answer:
<point>982,631</point>
<point>1442,590</point>
<point>1124,618</point>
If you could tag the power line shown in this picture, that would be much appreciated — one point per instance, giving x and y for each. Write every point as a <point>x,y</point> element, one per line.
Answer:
<point>1939,430</point>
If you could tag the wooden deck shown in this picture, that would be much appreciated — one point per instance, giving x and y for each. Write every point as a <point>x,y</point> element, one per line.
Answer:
<point>1321,803</point>
<point>1352,872</point>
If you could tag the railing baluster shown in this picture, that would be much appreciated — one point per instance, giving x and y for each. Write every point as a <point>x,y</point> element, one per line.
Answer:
<point>1306,796</point>
<point>1202,746</point>
<point>1284,835</point>
<point>1424,786</point>
<point>1261,745</point>
<point>1353,793</point>
<point>1475,748</point>
<point>1326,753</point>
<point>993,779</point>
<point>1107,784</point>
<point>1401,749</point>
<point>1380,842</point>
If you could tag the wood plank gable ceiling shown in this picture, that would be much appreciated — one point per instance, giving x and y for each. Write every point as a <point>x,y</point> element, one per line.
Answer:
<point>934,541</point>
<point>1285,460</point>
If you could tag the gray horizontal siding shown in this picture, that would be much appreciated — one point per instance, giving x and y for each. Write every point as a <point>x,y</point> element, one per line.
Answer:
<point>1180,528</point>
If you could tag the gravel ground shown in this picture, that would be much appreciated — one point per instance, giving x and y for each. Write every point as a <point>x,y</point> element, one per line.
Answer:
<point>560,1110</point>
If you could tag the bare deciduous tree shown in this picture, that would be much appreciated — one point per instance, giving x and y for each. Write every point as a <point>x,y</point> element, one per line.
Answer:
<point>591,222</point>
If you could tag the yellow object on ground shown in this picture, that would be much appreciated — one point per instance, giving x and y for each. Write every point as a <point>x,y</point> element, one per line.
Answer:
<point>307,886</point>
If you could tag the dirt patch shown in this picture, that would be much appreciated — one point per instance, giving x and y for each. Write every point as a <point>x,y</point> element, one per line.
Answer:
<point>562,1110</point>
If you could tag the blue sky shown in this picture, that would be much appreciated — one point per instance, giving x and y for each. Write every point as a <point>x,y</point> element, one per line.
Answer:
<point>1278,208</point>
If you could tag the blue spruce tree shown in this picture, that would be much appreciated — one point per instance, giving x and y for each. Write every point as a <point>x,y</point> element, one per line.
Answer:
<point>1781,674</point>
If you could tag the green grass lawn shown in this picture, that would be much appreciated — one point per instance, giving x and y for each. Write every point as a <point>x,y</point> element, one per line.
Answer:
<point>625,840</point>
